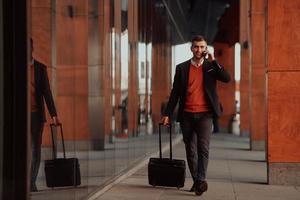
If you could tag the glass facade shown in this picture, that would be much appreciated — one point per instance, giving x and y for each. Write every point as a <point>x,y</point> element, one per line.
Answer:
<point>110,73</point>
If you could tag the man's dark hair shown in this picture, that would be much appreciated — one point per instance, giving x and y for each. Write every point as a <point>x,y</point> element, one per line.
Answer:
<point>198,38</point>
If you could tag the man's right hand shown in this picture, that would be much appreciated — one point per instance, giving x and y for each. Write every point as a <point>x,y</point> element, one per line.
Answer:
<point>165,120</point>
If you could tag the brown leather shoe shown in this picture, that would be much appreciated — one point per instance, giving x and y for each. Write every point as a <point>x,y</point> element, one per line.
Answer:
<point>200,187</point>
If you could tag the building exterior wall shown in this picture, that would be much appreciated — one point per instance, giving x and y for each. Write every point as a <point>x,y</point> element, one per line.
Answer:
<point>283,98</point>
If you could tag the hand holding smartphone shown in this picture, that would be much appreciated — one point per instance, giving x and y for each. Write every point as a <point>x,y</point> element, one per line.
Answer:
<point>204,54</point>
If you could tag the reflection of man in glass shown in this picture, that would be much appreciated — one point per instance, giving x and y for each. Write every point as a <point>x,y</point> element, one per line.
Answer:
<point>39,91</point>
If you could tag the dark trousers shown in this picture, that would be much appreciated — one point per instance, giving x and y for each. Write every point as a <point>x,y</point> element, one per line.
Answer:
<point>196,129</point>
<point>36,142</point>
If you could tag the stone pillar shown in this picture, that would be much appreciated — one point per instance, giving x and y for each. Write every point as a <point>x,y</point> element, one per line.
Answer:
<point>161,64</point>
<point>71,51</point>
<point>257,76</point>
<point>100,108</point>
<point>133,99</point>
<point>225,56</point>
<point>118,71</point>
<point>283,99</point>
<point>245,67</point>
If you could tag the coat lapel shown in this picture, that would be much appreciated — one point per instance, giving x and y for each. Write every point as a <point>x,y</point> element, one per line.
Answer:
<point>204,67</point>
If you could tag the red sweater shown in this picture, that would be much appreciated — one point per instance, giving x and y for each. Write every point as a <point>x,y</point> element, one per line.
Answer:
<point>195,100</point>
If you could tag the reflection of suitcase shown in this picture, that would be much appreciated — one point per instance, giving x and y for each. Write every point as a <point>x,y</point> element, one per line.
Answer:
<point>166,171</point>
<point>61,171</point>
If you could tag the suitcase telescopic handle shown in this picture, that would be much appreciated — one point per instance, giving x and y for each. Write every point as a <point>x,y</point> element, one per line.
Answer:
<point>54,148</point>
<point>159,132</point>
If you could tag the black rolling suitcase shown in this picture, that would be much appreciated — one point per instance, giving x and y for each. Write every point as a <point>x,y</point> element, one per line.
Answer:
<point>61,171</point>
<point>166,171</point>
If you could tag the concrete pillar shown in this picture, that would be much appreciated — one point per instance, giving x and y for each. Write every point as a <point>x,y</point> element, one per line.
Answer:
<point>283,99</point>
<point>257,76</point>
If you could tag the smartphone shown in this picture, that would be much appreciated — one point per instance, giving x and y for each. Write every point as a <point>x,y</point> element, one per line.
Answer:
<point>204,54</point>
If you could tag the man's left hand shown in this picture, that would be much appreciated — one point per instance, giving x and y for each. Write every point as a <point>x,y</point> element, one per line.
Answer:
<point>211,56</point>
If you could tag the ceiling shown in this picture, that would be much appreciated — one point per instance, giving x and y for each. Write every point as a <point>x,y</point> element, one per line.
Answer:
<point>216,20</point>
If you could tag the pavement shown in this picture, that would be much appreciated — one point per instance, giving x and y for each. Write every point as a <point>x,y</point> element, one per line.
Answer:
<point>234,173</point>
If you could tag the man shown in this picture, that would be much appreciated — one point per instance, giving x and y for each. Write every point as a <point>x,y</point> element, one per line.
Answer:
<point>195,87</point>
<point>39,91</point>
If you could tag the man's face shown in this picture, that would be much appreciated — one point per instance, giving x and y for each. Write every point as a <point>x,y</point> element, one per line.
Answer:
<point>198,47</point>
